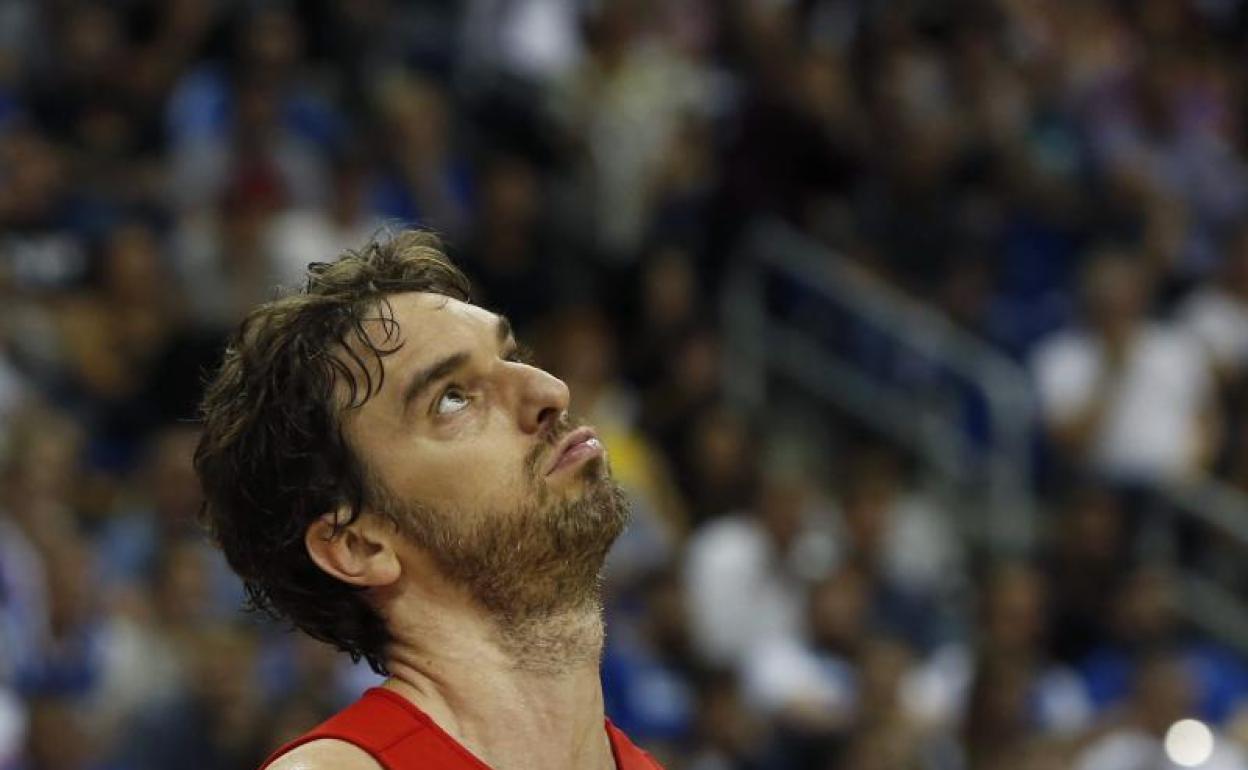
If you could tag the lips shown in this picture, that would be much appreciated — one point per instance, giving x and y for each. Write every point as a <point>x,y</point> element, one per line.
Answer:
<point>580,444</point>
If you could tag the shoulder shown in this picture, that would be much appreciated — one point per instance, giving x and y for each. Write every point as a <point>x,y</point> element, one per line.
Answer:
<point>734,534</point>
<point>1175,345</point>
<point>325,754</point>
<point>1062,348</point>
<point>1208,304</point>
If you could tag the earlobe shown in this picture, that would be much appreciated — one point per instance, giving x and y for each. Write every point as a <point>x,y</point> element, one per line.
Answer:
<point>359,553</point>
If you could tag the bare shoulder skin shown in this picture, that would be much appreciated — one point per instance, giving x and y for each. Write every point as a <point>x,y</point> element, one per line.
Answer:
<point>325,754</point>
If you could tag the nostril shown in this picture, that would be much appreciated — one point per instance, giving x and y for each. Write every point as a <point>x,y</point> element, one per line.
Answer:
<point>548,419</point>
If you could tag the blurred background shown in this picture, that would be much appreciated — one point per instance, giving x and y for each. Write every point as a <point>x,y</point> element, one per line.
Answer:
<point>917,331</point>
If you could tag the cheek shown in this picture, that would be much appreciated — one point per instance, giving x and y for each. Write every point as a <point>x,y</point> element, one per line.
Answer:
<point>471,475</point>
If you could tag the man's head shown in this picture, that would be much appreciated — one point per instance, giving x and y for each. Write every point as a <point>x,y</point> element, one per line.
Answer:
<point>377,419</point>
<point>1115,289</point>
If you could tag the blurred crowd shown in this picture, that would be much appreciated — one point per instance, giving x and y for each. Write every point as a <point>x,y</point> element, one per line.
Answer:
<point>1065,178</point>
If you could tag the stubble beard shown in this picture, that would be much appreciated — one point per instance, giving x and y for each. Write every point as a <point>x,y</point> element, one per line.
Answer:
<point>537,571</point>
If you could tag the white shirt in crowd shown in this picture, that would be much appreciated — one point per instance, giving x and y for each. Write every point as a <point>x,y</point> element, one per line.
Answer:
<point>936,693</point>
<point>742,592</point>
<point>921,552</point>
<point>1220,321</point>
<point>301,236</point>
<point>1152,427</point>
<point>13,723</point>
<point>783,671</point>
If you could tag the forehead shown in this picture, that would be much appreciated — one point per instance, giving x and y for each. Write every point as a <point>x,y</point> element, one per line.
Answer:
<point>431,322</point>
<point>411,331</point>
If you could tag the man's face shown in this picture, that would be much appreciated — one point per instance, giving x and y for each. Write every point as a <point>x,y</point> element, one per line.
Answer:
<point>471,451</point>
<point>1115,293</point>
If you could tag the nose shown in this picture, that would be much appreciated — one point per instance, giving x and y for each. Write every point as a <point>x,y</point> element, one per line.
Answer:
<point>544,400</point>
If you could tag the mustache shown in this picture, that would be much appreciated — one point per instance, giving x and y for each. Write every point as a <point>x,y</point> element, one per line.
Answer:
<point>549,438</point>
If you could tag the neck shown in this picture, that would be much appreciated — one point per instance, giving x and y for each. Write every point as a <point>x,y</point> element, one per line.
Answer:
<point>520,694</point>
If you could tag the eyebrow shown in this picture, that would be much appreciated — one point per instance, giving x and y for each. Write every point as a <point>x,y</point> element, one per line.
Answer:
<point>426,377</point>
<point>504,330</point>
<point>422,380</point>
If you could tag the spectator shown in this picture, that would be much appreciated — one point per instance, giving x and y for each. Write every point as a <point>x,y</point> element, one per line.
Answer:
<point>166,166</point>
<point>1161,696</point>
<point>298,237</point>
<point>254,121</point>
<point>220,257</point>
<point>626,121</point>
<point>1143,618</point>
<point>729,736</point>
<point>135,537</point>
<point>216,723</point>
<point>885,734</point>
<point>961,683</point>
<point>896,538</point>
<point>1126,396</point>
<point>57,738</point>
<point>1163,143</point>
<point>746,574</point>
<point>517,260</point>
<point>1089,556</point>
<point>23,606</point>
<point>997,728</point>
<point>669,308</point>
<point>683,410</point>
<point>650,668</point>
<point>1218,313</point>
<point>809,683</point>
<point>13,718</point>
<point>428,181</point>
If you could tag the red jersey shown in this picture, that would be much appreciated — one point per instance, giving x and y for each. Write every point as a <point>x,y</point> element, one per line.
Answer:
<point>402,737</point>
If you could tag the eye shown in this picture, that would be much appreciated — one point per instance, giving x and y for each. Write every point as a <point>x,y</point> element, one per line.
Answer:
<point>450,402</point>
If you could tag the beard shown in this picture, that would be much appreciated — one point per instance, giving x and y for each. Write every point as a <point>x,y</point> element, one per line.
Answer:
<point>540,561</point>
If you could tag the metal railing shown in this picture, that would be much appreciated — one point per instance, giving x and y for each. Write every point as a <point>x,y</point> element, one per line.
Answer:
<point>766,346</point>
<point>762,344</point>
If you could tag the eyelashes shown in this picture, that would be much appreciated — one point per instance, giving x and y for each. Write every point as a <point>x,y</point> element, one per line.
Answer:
<point>519,354</point>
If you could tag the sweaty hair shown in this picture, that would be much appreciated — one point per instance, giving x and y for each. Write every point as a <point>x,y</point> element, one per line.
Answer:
<point>273,457</point>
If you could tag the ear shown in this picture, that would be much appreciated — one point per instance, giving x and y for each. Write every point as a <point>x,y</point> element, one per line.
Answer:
<point>360,553</point>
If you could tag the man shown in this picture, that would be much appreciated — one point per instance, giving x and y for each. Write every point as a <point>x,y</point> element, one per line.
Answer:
<point>383,468</point>
<point>1128,396</point>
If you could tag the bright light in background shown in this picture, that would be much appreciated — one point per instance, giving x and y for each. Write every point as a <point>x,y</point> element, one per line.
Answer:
<point>1189,743</point>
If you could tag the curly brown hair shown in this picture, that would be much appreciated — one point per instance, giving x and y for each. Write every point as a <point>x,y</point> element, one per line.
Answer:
<point>273,457</point>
